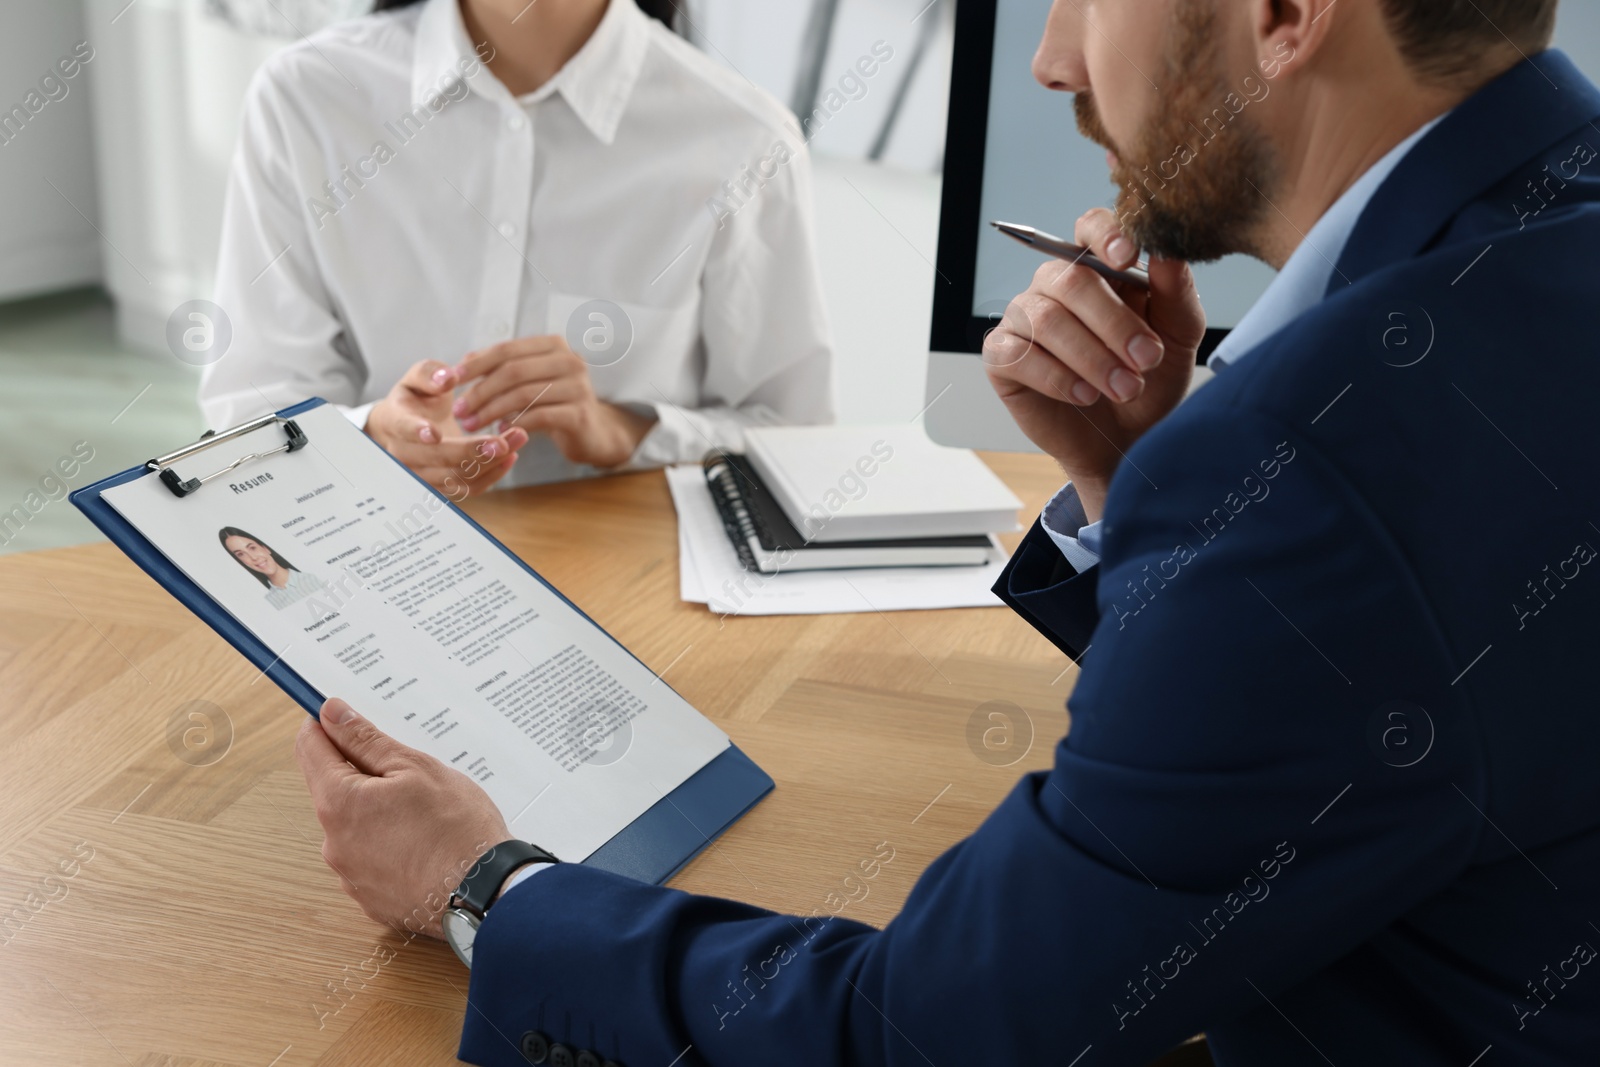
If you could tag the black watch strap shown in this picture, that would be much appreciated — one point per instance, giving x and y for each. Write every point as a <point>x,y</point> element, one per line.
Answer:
<point>493,868</point>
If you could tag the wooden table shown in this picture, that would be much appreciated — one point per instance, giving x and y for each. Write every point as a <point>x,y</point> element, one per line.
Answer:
<point>168,905</point>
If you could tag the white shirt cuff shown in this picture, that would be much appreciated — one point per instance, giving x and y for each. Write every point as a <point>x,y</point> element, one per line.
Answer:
<point>1077,538</point>
<point>681,435</point>
<point>357,415</point>
<point>663,443</point>
<point>522,876</point>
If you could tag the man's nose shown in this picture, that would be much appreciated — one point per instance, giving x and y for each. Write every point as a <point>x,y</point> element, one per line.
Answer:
<point>1058,63</point>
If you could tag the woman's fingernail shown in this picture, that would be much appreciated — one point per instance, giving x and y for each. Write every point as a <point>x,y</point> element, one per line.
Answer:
<point>441,376</point>
<point>492,449</point>
<point>1085,394</point>
<point>1121,251</point>
<point>1125,385</point>
<point>469,422</point>
<point>425,432</point>
<point>460,406</point>
<point>336,712</point>
<point>1145,351</point>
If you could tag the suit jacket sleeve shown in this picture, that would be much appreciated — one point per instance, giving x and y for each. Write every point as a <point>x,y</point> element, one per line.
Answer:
<point>1058,601</point>
<point>1221,822</point>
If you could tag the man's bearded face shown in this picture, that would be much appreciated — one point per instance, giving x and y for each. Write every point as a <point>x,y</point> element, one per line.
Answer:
<point>1189,191</point>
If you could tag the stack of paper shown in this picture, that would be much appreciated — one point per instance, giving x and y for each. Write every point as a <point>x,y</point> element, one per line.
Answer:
<point>710,573</point>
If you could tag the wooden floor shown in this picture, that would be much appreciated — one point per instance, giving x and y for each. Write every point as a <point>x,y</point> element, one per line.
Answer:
<point>163,901</point>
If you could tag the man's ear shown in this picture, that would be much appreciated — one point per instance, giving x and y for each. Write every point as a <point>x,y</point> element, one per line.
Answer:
<point>1289,32</point>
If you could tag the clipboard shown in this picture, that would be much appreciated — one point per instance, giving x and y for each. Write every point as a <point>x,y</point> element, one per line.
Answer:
<point>652,848</point>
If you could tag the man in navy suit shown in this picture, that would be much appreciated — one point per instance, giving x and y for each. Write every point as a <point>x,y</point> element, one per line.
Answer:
<point>1330,791</point>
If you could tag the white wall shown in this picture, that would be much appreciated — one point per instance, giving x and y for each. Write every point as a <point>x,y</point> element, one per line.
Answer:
<point>877,234</point>
<point>45,243</point>
<point>1578,34</point>
<point>761,39</point>
<point>169,83</point>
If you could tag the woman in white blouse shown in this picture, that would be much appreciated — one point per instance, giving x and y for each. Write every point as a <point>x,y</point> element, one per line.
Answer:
<point>520,242</point>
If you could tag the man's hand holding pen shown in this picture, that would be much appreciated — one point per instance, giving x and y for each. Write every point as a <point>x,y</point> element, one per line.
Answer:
<point>1086,365</point>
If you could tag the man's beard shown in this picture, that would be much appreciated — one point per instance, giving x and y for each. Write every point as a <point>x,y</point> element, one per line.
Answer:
<point>1184,196</point>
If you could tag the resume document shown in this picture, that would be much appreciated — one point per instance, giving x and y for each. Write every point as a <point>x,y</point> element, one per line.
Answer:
<point>371,588</point>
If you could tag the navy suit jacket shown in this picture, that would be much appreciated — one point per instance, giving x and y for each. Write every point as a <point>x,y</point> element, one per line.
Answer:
<point>1330,792</point>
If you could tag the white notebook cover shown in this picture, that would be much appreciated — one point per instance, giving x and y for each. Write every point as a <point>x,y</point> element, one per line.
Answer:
<point>841,483</point>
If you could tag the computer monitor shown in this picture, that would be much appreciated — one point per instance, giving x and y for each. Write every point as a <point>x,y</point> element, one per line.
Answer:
<point>998,166</point>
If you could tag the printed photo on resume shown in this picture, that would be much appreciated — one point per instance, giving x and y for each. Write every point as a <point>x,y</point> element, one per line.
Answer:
<point>285,584</point>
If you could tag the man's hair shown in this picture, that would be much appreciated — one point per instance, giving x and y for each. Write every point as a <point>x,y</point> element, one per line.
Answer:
<point>1446,40</point>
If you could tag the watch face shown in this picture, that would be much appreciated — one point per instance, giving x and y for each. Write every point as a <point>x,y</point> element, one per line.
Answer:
<point>460,930</point>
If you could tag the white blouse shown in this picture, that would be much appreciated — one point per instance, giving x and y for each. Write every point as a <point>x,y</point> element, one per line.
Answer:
<point>390,202</point>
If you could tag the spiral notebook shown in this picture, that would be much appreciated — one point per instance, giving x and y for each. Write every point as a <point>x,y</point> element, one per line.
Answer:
<point>767,542</point>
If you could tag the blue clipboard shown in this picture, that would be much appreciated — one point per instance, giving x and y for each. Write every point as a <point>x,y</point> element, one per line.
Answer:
<point>652,848</point>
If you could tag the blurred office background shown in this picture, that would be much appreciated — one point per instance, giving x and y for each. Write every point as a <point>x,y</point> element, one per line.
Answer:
<point>111,194</point>
<point>111,197</point>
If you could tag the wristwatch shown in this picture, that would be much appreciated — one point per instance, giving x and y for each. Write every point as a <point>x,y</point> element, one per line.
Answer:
<point>470,902</point>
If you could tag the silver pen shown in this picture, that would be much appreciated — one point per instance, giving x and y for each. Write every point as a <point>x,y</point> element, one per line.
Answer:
<point>1055,246</point>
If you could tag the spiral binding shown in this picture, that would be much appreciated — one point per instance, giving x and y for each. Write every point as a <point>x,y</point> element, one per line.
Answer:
<point>738,519</point>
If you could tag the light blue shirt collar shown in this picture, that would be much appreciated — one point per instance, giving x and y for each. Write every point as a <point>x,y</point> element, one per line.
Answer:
<point>1304,279</point>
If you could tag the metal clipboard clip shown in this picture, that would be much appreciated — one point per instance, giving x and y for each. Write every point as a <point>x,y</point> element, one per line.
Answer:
<point>181,487</point>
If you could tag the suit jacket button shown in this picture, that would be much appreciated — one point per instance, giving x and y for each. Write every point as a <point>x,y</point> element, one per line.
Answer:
<point>535,1047</point>
<point>588,1059</point>
<point>561,1056</point>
